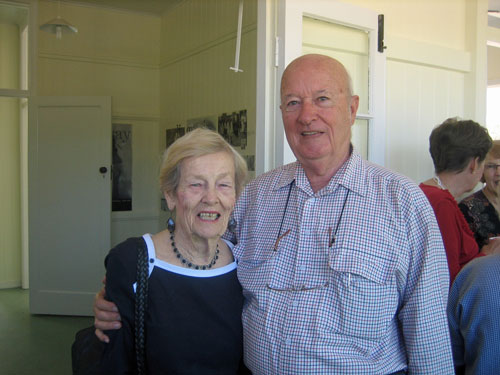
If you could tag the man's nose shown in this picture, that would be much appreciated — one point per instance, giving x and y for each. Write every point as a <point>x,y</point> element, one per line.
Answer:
<point>308,112</point>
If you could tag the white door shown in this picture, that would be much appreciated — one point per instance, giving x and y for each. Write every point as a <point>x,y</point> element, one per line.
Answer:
<point>349,34</point>
<point>69,202</point>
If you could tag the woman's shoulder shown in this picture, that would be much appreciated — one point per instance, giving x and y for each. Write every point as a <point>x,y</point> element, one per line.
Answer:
<point>125,252</point>
<point>438,196</point>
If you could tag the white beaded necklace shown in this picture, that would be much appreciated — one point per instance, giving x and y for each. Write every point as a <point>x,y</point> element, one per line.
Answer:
<point>439,183</point>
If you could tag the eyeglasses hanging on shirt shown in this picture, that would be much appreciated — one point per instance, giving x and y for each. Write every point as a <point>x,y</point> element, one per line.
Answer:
<point>302,288</point>
<point>331,236</point>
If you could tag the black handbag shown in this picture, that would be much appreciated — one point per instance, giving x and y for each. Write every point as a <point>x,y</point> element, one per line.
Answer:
<point>87,350</point>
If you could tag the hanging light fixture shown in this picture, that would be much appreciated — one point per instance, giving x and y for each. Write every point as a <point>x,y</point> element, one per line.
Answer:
<point>58,25</point>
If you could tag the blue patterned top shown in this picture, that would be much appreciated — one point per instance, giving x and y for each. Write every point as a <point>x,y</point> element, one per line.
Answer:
<point>474,316</point>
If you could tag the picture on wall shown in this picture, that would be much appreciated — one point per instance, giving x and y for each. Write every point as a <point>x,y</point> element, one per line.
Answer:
<point>233,127</point>
<point>250,159</point>
<point>173,134</point>
<point>122,168</point>
<point>202,122</point>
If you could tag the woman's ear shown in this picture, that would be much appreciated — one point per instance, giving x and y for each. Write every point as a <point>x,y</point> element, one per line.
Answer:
<point>471,167</point>
<point>475,165</point>
<point>171,201</point>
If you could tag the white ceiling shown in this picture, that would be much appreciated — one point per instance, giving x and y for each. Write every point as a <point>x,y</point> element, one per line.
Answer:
<point>159,6</point>
<point>144,6</point>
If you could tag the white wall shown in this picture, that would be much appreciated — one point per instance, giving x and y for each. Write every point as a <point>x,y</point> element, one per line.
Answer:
<point>198,41</point>
<point>108,57</point>
<point>494,65</point>
<point>434,71</point>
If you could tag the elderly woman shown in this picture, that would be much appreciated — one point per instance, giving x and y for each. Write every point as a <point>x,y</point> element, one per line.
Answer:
<point>193,323</point>
<point>458,150</point>
<point>482,209</point>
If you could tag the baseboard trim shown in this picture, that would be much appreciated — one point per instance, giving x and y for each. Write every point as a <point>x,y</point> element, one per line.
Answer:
<point>10,284</point>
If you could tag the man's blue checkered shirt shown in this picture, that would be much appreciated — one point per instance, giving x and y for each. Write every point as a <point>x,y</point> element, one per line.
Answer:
<point>370,299</point>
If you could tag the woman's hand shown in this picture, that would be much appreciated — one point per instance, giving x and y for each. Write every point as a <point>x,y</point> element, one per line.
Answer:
<point>106,316</point>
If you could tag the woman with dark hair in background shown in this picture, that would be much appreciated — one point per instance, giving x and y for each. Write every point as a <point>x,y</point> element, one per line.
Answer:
<point>458,149</point>
<point>482,209</point>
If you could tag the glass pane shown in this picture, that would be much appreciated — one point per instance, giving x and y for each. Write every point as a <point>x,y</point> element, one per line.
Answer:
<point>360,137</point>
<point>348,45</point>
<point>13,37</point>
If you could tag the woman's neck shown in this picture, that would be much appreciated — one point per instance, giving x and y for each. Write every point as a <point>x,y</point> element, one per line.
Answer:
<point>197,249</point>
<point>453,182</point>
<point>492,196</point>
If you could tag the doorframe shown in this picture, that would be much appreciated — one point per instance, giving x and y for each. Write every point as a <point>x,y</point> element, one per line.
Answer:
<point>279,42</point>
<point>30,40</point>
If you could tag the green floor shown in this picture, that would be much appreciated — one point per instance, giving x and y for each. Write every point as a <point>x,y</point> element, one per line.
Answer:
<point>34,344</point>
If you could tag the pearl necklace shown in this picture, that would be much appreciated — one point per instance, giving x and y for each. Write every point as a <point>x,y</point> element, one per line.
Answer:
<point>190,264</point>
<point>438,181</point>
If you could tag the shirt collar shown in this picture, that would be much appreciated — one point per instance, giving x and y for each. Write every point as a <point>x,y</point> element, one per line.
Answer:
<point>350,175</point>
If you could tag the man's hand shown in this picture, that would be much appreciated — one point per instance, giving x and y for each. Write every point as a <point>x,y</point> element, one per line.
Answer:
<point>106,316</point>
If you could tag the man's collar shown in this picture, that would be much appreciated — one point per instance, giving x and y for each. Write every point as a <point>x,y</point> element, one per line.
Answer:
<point>350,175</point>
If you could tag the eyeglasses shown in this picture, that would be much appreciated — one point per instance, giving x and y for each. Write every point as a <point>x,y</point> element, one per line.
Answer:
<point>492,166</point>
<point>332,234</point>
<point>301,288</point>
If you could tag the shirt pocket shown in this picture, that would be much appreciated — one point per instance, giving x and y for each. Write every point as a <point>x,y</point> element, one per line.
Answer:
<point>361,299</point>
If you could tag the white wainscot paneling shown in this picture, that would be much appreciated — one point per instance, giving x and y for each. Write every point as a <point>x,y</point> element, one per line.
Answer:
<point>419,97</point>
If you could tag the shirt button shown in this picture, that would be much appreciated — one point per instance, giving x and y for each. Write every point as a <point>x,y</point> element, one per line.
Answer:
<point>302,268</point>
<point>295,303</point>
<point>288,342</point>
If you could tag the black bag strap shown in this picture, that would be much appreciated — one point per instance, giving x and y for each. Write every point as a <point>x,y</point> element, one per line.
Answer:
<point>141,304</point>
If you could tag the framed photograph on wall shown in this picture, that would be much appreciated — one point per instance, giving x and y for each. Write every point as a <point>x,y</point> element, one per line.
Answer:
<point>202,122</point>
<point>233,127</point>
<point>122,168</point>
<point>173,134</point>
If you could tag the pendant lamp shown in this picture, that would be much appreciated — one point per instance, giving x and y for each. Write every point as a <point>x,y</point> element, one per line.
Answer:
<point>58,25</point>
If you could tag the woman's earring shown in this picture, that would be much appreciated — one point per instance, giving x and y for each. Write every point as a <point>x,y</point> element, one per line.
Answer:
<point>231,225</point>
<point>170,225</point>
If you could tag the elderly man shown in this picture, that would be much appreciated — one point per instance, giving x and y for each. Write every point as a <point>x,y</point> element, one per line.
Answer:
<point>341,262</point>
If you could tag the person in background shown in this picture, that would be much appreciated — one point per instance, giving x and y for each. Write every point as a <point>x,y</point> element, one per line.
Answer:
<point>341,261</point>
<point>458,149</point>
<point>193,320</point>
<point>473,316</point>
<point>482,209</point>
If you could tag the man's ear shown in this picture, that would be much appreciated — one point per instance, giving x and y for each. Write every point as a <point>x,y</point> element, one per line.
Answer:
<point>353,107</point>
